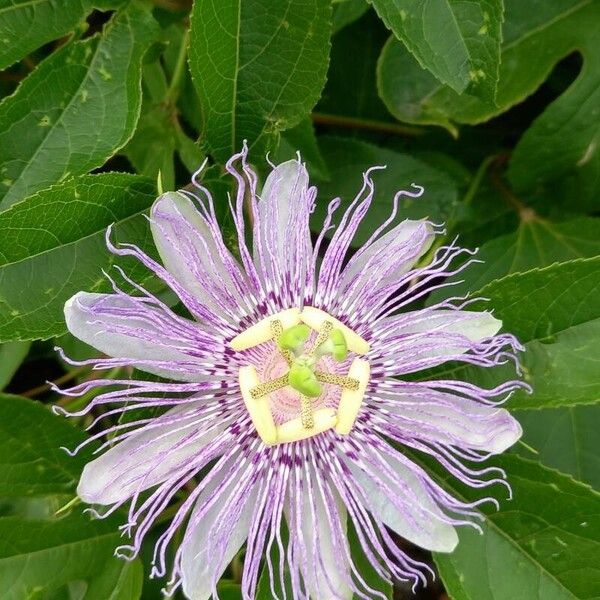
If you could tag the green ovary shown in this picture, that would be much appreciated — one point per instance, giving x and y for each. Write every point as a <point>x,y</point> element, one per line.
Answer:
<point>301,376</point>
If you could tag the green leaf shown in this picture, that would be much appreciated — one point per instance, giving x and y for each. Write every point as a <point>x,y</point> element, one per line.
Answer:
<point>258,65</point>
<point>228,590</point>
<point>545,153</point>
<point>556,313</point>
<point>457,41</point>
<point>11,357</point>
<point>350,88</point>
<point>26,25</point>
<point>76,109</point>
<point>43,554</point>
<point>54,246</point>
<point>536,243</point>
<point>542,544</point>
<point>32,462</point>
<point>302,139</point>
<point>346,12</point>
<point>38,555</point>
<point>157,139</point>
<point>348,159</point>
<point>563,141</point>
<point>566,439</point>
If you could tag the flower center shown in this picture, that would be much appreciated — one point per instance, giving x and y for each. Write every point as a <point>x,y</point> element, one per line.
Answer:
<point>301,375</point>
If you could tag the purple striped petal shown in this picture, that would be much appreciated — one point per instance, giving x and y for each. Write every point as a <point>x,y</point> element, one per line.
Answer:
<point>143,334</point>
<point>282,245</point>
<point>145,458</point>
<point>192,249</point>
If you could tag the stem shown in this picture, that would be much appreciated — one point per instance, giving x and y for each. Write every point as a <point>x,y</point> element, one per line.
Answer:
<point>478,177</point>
<point>468,198</point>
<point>366,124</point>
<point>80,401</point>
<point>525,213</point>
<point>176,79</point>
<point>36,391</point>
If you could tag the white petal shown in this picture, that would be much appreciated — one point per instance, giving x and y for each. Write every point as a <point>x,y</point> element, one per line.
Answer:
<point>324,579</point>
<point>143,460</point>
<point>420,520</point>
<point>93,318</point>
<point>442,331</point>
<point>475,326</point>
<point>458,421</point>
<point>393,242</point>
<point>283,239</point>
<point>190,252</point>
<point>284,186</point>
<point>197,565</point>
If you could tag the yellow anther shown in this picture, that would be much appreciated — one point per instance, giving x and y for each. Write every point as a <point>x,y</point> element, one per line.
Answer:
<point>351,400</point>
<point>333,339</point>
<point>315,318</point>
<point>294,430</point>
<point>324,332</point>
<point>268,387</point>
<point>262,332</point>
<point>347,383</point>
<point>276,331</point>
<point>259,410</point>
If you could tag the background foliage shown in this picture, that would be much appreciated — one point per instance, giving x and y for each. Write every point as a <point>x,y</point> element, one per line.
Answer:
<point>492,106</point>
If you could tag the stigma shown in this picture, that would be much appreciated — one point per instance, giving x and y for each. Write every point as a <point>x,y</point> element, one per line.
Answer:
<point>303,341</point>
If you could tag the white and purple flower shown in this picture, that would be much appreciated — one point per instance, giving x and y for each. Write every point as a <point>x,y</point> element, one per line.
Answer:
<point>283,401</point>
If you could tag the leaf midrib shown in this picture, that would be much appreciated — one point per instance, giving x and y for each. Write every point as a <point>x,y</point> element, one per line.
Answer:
<point>567,13</point>
<point>52,128</point>
<point>493,526</point>
<point>22,5</point>
<point>71,243</point>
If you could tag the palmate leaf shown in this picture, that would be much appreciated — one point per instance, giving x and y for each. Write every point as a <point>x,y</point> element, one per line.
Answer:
<point>350,89</point>
<point>534,546</point>
<point>54,245</point>
<point>258,65</point>
<point>458,42</point>
<point>12,355</point>
<point>43,555</point>
<point>537,242</point>
<point>566,439</point>
<point>32,462</point>
<point>26,25</point>
<point>536,36</point>
<point>76,109</point>
<point>555,312</point>
<point>348,159</point>
<point>346,12</point>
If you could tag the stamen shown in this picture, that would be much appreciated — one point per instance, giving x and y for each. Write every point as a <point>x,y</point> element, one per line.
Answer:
<point>347,383</point>
<point>294,430</point>
<point>276,332</point>
<point>266,388</point>
<point>289,330</point>
<point>324,332</point>
<point>259,410</point>
<point>306,412</point>
<point>262,331</point>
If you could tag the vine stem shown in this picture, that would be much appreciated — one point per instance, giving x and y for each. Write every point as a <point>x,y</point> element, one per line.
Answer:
<point>40,389</point>
<point>175,84</point>
<point>468,198</point>
<point>366,124</point>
